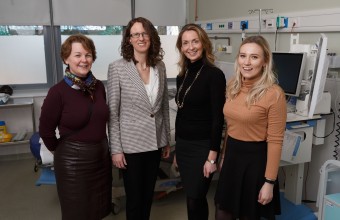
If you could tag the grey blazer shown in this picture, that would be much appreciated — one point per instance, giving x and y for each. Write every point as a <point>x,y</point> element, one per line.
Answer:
<point>135,125</point>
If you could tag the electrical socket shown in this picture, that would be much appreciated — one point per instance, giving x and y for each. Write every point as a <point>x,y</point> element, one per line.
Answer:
<point>244,25</point>
<point>294,22</point>
<point>230,25</point>
<point>208,26</point>
<point>281,22</point>
<point>220,26</point>
<point>270,23</point>
<point>229,49</point>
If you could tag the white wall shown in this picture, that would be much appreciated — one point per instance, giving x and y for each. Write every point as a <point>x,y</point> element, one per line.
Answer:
<point>219,9</point>
<point>216,9</point>
<point>322,153</point>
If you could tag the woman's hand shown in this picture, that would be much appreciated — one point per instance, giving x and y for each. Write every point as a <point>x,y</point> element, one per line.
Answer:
<point>209,168</point>
<point>266,194</point>
<point>220,163</point>
<point>119,161</point>
<point>174,162</point>
<point>166,152</point>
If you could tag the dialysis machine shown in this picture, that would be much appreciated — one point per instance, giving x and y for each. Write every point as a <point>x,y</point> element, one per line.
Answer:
<point>312,98</point>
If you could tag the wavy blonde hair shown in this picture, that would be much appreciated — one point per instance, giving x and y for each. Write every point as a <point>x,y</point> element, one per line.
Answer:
<point>266,80</point>
<point>208,56</point>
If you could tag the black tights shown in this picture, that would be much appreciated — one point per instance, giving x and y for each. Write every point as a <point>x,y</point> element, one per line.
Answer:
<point>221,214</point>
<point>197,209</point>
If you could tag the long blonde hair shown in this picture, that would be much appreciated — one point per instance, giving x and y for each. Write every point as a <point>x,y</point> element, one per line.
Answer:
<point>266,80</point>
<point>208,56</point>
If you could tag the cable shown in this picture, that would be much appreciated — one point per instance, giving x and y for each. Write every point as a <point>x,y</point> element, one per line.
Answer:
<point>276,38</point>
<point>276,33</point>
<point>332,129</point>
<point>284,176</point>
<point>291,31</point>
<point>337,133</point>
<point>337,139</point>
<point>305,182</point>
<point>243,27</point>
<point>305,187</point>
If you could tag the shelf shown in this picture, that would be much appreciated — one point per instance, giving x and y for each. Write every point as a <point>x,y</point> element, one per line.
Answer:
<point>18,114</point>
<point>17,102</point>
<point>25,141</point>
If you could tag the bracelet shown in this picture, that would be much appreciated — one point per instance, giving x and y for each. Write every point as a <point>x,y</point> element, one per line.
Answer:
<point>269,181</point>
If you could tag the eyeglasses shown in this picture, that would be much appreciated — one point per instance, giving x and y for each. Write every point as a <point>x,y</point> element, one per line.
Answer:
<point>137,35</point>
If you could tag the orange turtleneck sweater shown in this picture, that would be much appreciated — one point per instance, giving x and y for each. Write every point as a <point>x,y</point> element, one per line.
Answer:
<point>263,121</point>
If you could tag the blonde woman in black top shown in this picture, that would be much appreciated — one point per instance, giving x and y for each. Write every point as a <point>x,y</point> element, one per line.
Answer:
<point>200,98</point>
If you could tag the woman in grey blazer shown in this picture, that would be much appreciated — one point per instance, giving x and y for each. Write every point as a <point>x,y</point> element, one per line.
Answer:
<point>139,127</point>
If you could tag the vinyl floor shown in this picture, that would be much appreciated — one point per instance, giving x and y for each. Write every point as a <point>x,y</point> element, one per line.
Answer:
<point>21,199</point>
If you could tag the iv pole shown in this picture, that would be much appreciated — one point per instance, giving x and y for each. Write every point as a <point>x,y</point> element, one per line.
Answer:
<point>253,11</point>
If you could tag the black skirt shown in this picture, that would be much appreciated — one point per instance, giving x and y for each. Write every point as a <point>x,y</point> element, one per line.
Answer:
<point>241,179</point>
<point>84,179</point>
<point>191,157</point>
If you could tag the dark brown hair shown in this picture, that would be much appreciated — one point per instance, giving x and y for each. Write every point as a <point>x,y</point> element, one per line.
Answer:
<point>155,53</point>
<point>86,42</point>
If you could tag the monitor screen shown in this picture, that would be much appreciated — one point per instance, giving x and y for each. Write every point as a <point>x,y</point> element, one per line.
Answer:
<point>289,68</point>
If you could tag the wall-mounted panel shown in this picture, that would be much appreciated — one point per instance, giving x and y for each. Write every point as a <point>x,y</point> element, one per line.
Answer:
<point>327,20</point>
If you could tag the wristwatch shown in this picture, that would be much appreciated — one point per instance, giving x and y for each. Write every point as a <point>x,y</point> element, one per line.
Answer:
<point>211,161</point>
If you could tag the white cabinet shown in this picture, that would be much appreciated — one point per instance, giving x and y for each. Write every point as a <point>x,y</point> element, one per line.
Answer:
<point>18,113</point>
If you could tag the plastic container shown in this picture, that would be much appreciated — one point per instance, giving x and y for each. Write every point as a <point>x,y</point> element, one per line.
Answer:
<point>4,136</point>
<point>3,129</point>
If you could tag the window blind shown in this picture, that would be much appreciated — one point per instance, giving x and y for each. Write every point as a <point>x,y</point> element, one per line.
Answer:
<point>80,12</point>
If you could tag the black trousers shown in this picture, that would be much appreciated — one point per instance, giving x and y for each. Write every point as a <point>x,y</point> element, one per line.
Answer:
<point>139,183</point>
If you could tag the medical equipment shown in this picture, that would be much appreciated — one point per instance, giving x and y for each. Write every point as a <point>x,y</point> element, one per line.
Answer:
<point>289,68</point>
<point>328,204</point>
<point>315,76</point>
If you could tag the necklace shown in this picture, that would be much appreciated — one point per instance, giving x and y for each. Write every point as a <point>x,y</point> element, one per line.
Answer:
<point>180,105</point>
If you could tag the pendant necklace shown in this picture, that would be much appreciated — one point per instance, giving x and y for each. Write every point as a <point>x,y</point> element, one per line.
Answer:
<point>180,105</point>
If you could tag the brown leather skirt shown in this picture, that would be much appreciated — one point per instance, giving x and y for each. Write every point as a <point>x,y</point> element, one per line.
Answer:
<point>84,179</point>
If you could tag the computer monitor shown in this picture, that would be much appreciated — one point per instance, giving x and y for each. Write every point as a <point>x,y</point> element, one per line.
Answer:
<point>320,74</point>
<point>289,68</point>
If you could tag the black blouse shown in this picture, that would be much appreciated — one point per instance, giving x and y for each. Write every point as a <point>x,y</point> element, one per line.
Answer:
<point>201,117</point>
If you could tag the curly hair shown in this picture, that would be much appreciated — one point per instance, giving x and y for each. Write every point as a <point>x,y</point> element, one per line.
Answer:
<point>155,53</point>
<point>267,79</point>
<point>86,42</point>
<point>208,56</point>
